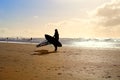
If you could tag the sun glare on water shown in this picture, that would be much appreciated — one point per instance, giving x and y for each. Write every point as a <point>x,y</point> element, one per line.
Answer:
<point>93,44</point>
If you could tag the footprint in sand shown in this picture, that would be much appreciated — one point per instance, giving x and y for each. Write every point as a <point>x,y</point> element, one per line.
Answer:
<point>70,74</point>
<point>1,69</point>
<point>118,76</point>
<point>36,76</point>
<point>59,73</point>
<point>107,77</point>
<point>48,69</point>
<point>56,69</point>
<point>17,71</point>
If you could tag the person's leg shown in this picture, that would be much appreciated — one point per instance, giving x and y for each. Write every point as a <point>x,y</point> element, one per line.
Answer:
<point>55,48</point>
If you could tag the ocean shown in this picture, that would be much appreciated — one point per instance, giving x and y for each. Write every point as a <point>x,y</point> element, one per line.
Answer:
<point>78,42</point>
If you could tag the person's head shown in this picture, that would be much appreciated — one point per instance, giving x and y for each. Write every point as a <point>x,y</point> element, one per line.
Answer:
<point>56,30</point>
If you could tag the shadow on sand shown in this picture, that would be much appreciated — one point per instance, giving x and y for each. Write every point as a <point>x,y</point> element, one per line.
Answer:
<point>42,52</point>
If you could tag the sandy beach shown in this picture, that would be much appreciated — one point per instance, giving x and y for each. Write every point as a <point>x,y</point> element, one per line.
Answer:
<point>26,62</point>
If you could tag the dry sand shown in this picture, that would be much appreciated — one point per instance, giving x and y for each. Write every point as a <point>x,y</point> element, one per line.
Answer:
<point>26,62</point>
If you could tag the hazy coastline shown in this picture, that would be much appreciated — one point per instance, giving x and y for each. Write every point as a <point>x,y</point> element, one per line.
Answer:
<point>75,42</point>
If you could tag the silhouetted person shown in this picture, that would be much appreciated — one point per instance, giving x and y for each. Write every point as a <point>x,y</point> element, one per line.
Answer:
<point>7,39</point>
<point>51,40</point>
<point>56,35</point>
<point>54,40</point>
<point>31,38</point>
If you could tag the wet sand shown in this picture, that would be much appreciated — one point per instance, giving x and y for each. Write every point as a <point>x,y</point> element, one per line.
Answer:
<point>26,62</point>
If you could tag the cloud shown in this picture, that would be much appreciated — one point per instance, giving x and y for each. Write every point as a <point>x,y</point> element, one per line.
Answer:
<point>104,22</point>
<point>109,13</point>
<point>74,27</point>
<point>94,24</point>
<point>2,31</point>
<point>35,17</point>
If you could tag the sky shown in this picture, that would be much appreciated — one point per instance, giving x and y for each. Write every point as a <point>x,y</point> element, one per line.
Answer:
<point>72,18</point>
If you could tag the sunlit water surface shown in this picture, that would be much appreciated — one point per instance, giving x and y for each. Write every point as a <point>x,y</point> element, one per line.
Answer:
<point>96,44</point>
<point>73,42</point>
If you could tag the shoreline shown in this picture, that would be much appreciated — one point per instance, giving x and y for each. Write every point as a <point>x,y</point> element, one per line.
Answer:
<point>26,62</point>
<point>64,45</point>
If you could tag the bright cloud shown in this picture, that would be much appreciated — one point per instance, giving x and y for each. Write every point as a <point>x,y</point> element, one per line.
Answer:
<point>95,25</point>
<point>73,18</point>
<point>109,14</point>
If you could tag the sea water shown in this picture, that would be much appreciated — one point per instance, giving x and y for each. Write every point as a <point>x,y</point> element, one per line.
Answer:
<point>75,42</point>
